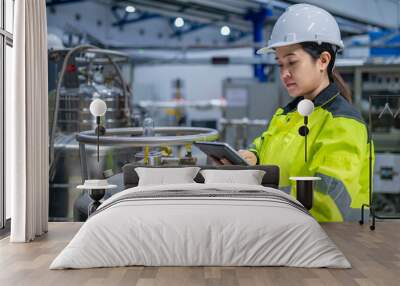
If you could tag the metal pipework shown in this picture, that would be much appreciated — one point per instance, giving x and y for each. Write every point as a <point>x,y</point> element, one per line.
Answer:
<point>90,49</point>
<point>243,122</point>
<point>133,136</point>
<point>172,136</point>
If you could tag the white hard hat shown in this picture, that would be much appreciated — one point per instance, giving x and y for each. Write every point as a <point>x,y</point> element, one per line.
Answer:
<point>304,23</point>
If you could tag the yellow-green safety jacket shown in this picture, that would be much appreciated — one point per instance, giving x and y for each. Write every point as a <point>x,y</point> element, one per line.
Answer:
<point>338,153</point>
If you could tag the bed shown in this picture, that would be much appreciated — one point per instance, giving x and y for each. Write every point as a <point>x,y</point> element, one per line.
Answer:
<point>198,224</point>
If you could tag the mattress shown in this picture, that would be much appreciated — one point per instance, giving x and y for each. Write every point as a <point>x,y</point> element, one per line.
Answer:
<point>201,225</point>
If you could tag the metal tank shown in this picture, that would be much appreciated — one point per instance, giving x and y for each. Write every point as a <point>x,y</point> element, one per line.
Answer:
<point>83,74</point>
<point>68,172</point>
<point>76,77</point>
<point>74,115</point>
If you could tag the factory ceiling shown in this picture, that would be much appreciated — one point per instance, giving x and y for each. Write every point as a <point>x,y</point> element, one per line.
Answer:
<point>152,23</point>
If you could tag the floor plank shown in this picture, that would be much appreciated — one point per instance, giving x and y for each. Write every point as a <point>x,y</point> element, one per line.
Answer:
<point>374,255</point>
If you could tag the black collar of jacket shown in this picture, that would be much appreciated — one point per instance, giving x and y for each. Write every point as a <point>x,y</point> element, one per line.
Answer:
<point>325,95</point>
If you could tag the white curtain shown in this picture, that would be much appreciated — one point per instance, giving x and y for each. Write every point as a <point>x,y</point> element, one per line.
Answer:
<point>27,123</point>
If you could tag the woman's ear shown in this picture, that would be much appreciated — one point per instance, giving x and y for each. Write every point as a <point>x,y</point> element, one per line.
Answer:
<point>324,60</point>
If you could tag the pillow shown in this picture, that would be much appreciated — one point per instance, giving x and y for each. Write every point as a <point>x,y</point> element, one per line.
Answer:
<point>248,177</point>
<point>163,176</point>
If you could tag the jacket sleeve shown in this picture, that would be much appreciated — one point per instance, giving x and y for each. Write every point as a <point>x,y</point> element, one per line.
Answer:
<point>338,157</point>
<point>255,147</point>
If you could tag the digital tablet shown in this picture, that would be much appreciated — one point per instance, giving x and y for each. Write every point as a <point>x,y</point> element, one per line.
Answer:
<point>221,150</point>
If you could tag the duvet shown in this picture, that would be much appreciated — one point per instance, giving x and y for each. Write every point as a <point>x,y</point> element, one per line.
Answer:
<point>201,224</point>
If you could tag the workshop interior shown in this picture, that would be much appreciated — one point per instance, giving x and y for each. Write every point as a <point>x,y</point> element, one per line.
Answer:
<point>190,74</point>
<point>130,108</point>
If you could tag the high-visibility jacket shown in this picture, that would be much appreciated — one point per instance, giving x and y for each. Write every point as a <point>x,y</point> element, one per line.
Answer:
<point>338,153</point>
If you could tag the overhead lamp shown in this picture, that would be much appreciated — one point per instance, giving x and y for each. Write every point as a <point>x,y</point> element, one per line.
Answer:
<point>305,108</point>
<point>130,9</point>
<point>179,22</point>
<point>225,31</point>
<point>98,108</point>
<point>304,185</point>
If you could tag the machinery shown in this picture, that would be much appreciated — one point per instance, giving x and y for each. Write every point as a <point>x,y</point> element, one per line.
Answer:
<point>86,73</point>
<point>387,182</point>
<point>166,137</point>
<point>376,92</point>
<point>76,77</point>
<point>248,103</point>
<point>83,76</point>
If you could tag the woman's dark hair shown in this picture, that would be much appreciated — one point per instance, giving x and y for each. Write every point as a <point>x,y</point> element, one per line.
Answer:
<point>315,50</point>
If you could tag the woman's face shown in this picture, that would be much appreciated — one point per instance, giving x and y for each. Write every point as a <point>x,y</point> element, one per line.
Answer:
<point>299,72</point>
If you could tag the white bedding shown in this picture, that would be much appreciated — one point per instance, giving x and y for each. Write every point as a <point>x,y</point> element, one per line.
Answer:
<point>185,231</point>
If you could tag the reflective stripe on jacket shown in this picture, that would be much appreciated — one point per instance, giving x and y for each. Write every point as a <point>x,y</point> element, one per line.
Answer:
<point>338,152</point>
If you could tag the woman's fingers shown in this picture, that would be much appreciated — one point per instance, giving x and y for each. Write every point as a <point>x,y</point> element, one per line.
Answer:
<point>222,161</point>
<point>225,161</point>
<point>250,157</point>
<point>215,160</point>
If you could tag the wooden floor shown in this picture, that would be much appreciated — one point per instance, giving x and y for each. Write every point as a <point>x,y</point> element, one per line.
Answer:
<point>375,257</point>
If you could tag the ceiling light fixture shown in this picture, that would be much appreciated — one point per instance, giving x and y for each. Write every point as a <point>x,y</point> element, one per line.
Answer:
<point>225,31</point>
<point>179,22</point>
<point>130,9</point>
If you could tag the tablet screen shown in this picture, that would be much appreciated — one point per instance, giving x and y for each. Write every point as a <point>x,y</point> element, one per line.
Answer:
<point>221,150</point>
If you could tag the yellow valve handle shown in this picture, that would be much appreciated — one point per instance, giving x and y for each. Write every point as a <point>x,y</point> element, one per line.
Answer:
<point>146,154</point>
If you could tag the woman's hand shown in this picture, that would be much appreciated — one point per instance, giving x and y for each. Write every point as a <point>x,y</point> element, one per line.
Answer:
<point>222,161</point>
<point>250,157</point>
